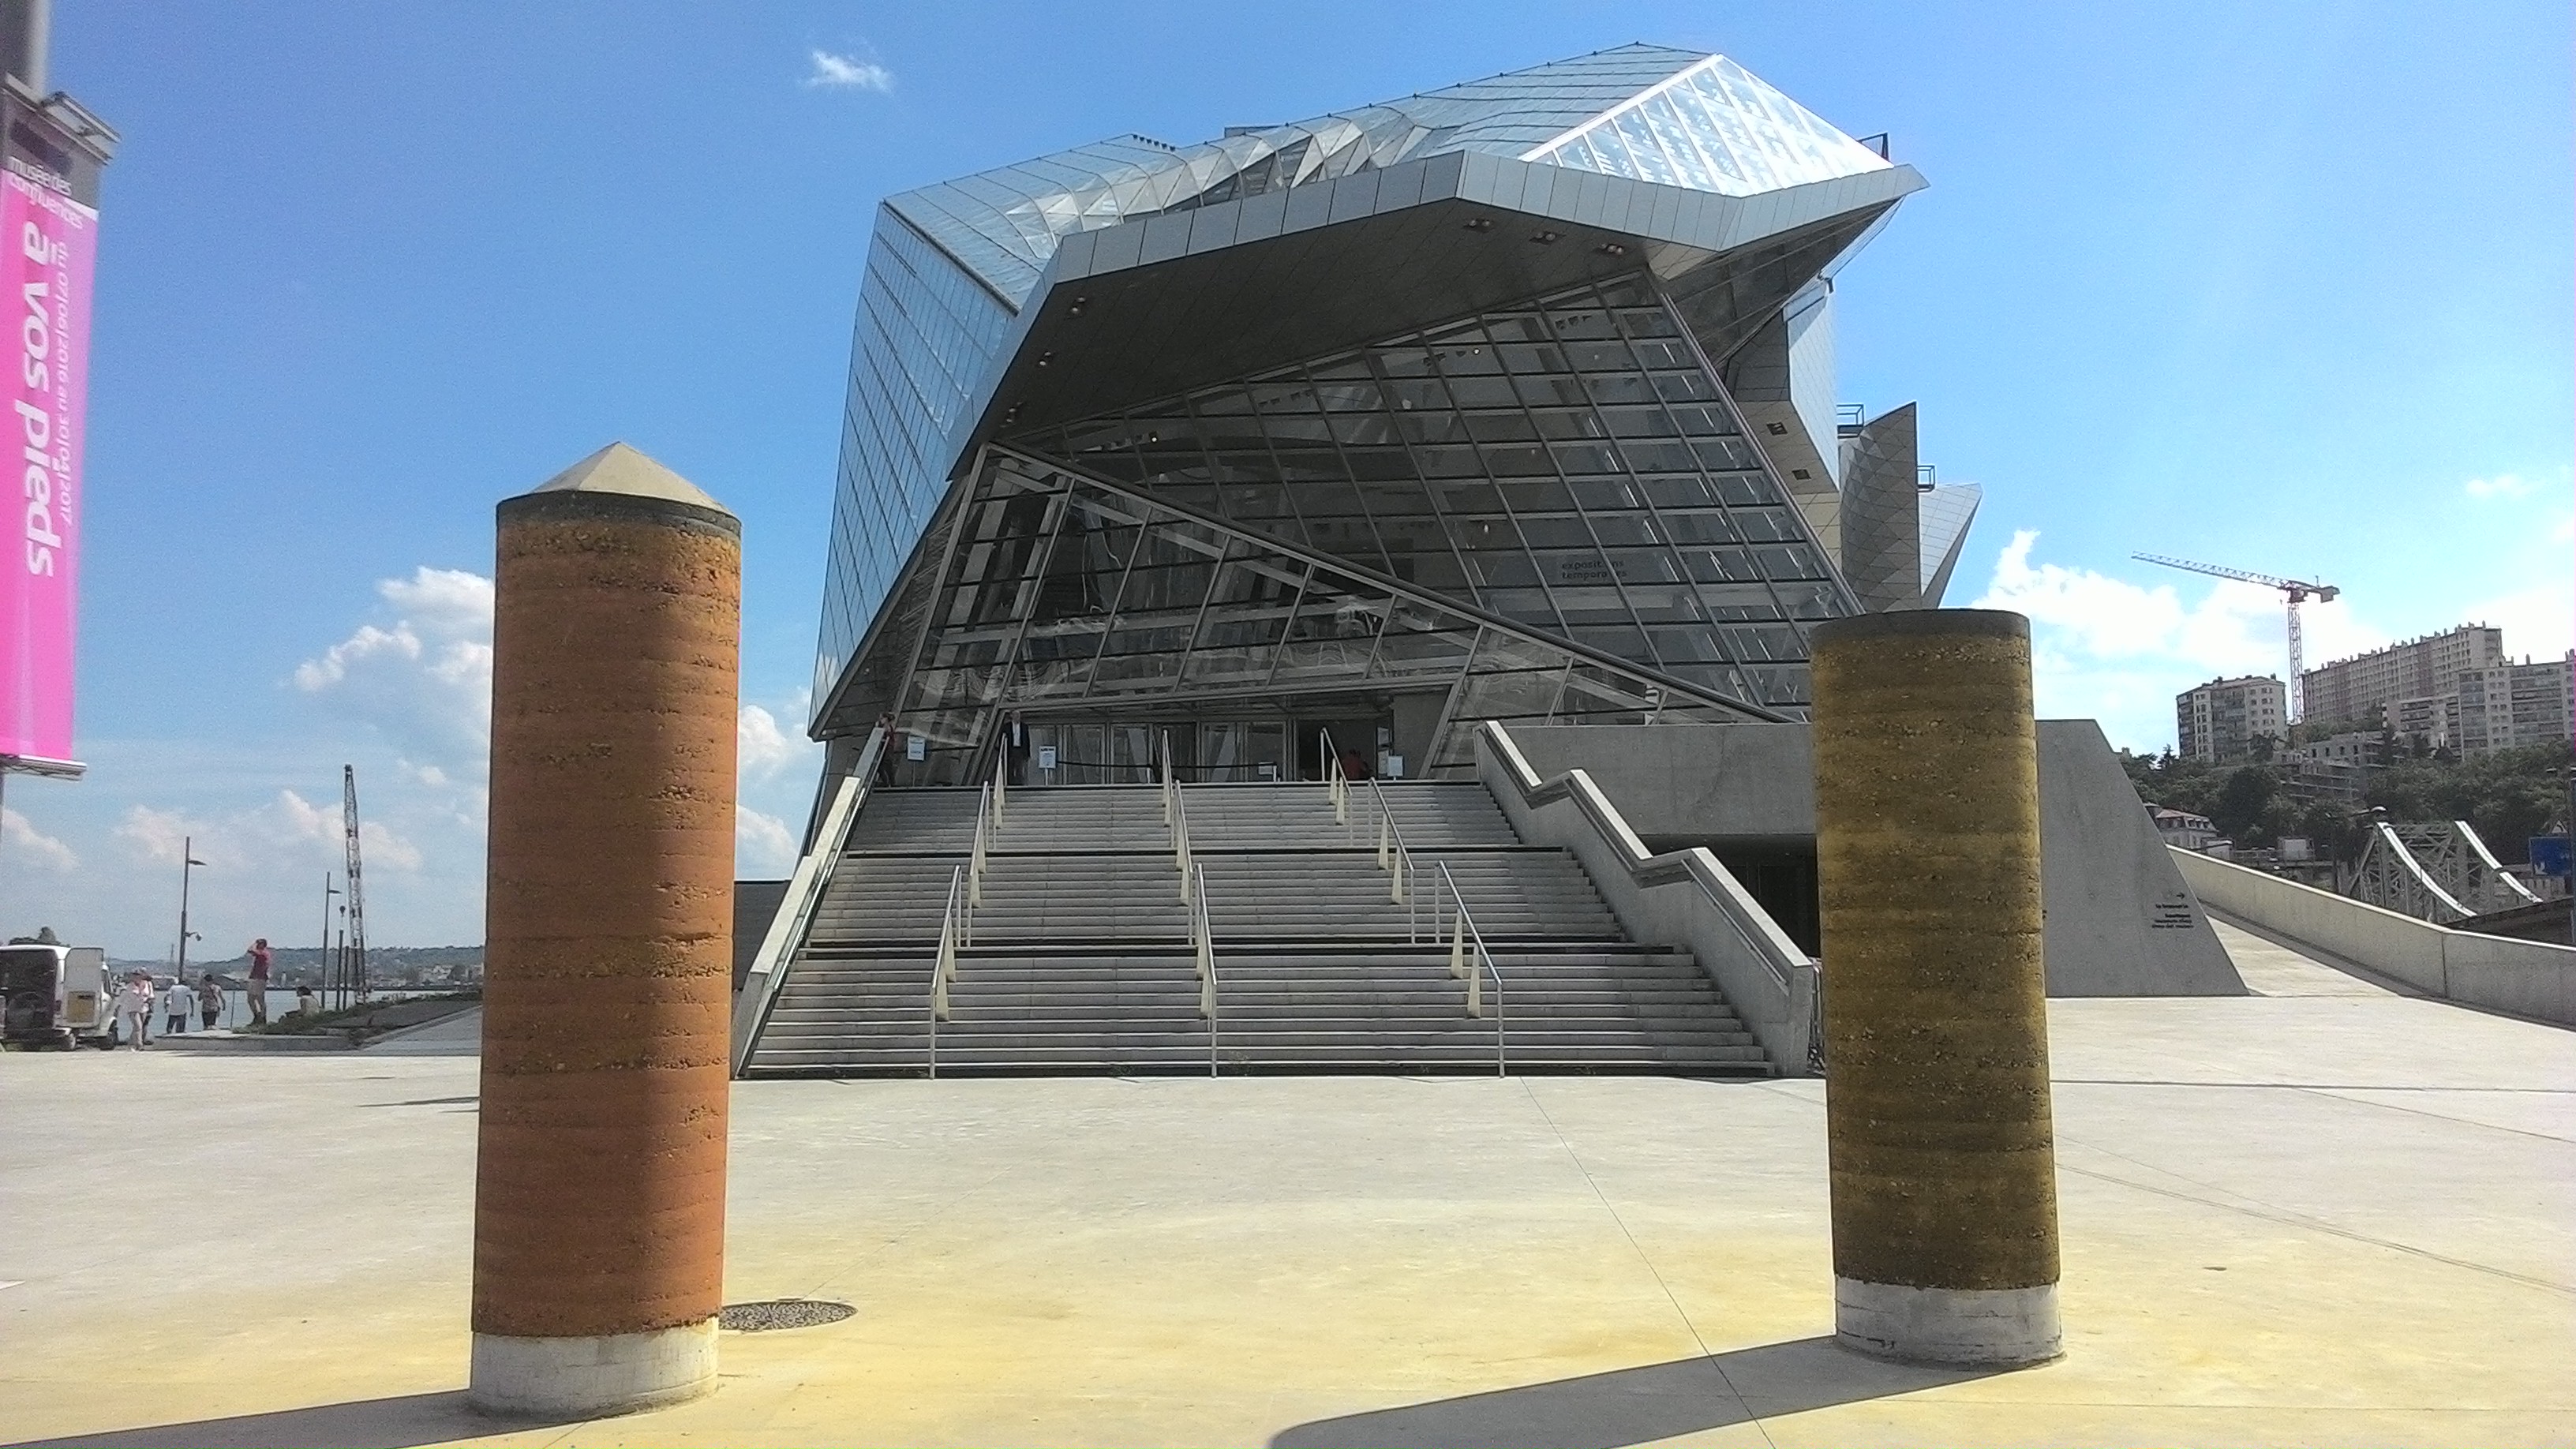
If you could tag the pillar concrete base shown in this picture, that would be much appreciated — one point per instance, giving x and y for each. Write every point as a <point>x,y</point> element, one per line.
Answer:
<point>1964,1327</point>
<point>586,1377</point>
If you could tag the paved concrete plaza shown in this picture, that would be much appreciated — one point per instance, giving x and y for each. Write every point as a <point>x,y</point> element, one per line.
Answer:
<point>2329,1214</point>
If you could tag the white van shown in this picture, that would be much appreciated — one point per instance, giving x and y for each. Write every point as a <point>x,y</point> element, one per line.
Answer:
<point>56,996</point>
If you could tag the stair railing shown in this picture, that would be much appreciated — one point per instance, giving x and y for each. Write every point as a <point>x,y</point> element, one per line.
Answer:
<point>1337,782</point>
<point>1176,814</point>
<point>1448,904</point>
<point>987,826</point>
<point>954,922</point>
<point>1396,860</point>
<point>1203,948</point>
<point>1001,784</point>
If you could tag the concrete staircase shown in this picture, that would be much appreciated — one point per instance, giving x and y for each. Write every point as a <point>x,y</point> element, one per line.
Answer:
<point>1081,960</point>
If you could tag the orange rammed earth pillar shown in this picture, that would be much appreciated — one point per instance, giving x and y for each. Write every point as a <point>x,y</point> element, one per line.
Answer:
<point>599,1193</point>
<point>1944,1175</point>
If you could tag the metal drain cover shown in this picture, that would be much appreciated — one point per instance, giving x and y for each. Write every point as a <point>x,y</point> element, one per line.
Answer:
<point>782,1313</point>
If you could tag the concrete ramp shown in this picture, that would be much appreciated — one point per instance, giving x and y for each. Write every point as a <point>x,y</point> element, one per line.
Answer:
<point>2121,921</point>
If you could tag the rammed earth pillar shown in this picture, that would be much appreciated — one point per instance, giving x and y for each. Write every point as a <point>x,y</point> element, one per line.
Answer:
<point>600,1173</point>
<point>1936,1046</point>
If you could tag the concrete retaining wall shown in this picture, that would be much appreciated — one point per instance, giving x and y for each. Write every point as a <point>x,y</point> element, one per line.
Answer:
<point>1680,898</point>
<point>2525,978</point>
<point>2120,921</point>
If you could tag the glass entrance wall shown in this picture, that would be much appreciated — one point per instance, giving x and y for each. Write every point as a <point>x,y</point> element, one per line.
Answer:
<point>1572,466</point>
<point>1062,595</point>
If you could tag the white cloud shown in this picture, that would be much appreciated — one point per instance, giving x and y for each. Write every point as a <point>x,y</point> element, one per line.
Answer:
<point>762,749</point>
<point>845,70</point>
<point>2539,621</point>
<point>452,603</point>
<point>2108,649</point>
<point>2502,485</point>
<point>424,681</point>
<point>403,693</point>
<point>22,843</point>
<point>763,846</point>
<point>157,836</point>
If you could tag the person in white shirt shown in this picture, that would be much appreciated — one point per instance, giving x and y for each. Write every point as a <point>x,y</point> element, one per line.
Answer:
<point>176,1002</point>
<point>134,1010</point>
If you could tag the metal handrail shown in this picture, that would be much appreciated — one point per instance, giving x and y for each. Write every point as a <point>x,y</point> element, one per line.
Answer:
<point>1393,856</point>
<point>953,923</point>
<point>1203,948</point>
<point>1396,859</point>
<point>1337,781</point>
<point>975,860</point>
<point>1176,814</point>
<point>1001,784</point>
<point>1462,931</point>
<point>805,888</point>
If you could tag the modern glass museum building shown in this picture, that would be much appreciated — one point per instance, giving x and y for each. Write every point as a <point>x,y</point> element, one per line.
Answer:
<point>1512,400</point>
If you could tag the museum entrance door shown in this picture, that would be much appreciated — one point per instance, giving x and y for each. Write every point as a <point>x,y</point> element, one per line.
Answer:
<point>1205,751</point>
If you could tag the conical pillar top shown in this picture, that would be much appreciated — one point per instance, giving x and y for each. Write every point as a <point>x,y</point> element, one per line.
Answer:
<point>623,468</point>
<point>620,480</point>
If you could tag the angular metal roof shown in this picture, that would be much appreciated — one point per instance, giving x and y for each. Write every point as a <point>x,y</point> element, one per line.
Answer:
<point>1645,112</point>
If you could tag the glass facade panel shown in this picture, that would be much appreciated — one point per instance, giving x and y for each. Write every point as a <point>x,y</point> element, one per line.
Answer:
<point>926,333</point>
<point>1551,509</point>
<point>1584,538</point>
<point>1088,609</point>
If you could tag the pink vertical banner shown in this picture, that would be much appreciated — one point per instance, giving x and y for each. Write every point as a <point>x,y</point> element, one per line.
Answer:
<point>48,250</point>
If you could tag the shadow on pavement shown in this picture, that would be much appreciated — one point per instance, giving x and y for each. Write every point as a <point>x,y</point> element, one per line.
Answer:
<point>1632,1406</point>
<point>396,1423</point>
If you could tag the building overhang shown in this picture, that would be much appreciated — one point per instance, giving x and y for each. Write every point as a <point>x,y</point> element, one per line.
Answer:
<point>1140,311</point>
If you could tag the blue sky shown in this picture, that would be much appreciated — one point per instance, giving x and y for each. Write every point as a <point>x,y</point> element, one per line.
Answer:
<point>2285,287</point>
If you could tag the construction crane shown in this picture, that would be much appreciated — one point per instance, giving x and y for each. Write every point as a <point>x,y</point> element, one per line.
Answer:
<point>2297,593</point>
<point>357,906</point>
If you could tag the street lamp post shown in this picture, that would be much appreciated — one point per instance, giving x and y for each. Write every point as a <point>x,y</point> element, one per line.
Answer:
<point>188,862</point>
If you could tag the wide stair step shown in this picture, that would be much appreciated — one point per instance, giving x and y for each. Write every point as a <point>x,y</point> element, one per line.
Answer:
<point>1080,959</point>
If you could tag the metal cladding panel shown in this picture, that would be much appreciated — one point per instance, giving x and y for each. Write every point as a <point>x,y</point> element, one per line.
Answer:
<point>1118,246</point>
<point>1074,253</point>
<point>1317,286</point>
<point>1236,254</point>
<point>1166,237</point>
<point>1354,196</point>
<point>1308,207</point>
<point>1402,186</point>
<point>1212,227</point>
<point>1881,526</point>
<point>1477,177</point>
<point>1263,215</point>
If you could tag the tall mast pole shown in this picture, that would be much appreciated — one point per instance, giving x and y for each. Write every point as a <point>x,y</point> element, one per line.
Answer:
<point>356,947</point>
<point>322,953</point>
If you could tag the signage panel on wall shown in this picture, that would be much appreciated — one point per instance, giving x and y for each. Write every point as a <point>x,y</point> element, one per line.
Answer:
<point>48,255</point>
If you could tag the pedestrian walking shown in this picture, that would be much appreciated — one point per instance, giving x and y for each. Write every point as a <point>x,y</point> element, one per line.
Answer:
<point>886,748</point>
<point>134,1010</point>
<point>210,999</point>
<point>1015,747</point>
<point>258,992</point>
<point>177,1003</point>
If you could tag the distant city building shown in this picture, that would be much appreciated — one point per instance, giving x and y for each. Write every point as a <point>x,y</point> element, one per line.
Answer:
<point>2335,769</point>
<point>2182,829</point>
<point>2358,747</point>
<point>2360,687</point>
<point>2506,706</point>
<point>2421,723</point>
<point>2218,722</point>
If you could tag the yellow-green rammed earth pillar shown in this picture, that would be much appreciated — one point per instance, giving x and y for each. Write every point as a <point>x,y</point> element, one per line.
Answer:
<point>1936,1034</point>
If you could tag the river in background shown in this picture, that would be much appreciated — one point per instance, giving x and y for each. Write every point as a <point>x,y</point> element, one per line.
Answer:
<point>237,1005</point>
